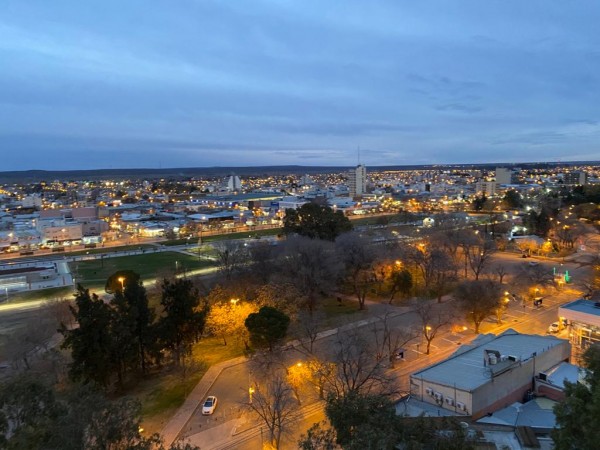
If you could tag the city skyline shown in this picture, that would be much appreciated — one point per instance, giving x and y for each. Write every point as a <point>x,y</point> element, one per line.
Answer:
<point>107,85</point>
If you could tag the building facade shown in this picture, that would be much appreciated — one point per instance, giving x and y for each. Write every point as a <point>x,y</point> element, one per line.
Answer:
<point>357,181</point>
<point>490,373</point>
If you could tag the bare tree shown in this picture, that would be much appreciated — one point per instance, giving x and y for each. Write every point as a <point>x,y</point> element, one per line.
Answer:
<point>308,327</point>
<point>500,271</point>
<point>388,341</point>
<point>359,257</point>
<point>479,299</point>
<point>355,367</point>
<point>432,319</point>
<point>479,255</point>
<point>274,404</point>
<point>261,261</point>
<point>311,266</point>
<point>231,257</point>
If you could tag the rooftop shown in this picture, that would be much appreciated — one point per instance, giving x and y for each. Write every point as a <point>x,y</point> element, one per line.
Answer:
<point>466,370</point>
<point>584,306</point>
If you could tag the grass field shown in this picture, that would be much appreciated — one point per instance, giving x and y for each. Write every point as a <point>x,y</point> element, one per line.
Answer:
<point>51,293</point>
<point>146,265</point>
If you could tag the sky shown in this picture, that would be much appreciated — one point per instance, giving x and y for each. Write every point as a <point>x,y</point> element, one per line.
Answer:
<point>123,84</point>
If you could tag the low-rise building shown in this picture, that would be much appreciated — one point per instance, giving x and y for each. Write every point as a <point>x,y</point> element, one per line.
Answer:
<point>490,373</point>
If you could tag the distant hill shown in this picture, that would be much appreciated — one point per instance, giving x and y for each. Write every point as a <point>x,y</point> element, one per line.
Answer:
<point>27,176</point>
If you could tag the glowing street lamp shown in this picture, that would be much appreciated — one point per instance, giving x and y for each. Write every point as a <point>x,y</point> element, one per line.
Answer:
<point>122,281</point>
<point>250,392</point>
<point>234,301</point>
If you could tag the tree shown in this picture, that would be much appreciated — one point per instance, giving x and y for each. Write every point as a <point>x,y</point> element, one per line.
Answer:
<point>479,299</point>
<point>316,222</point>
<point>355,369</point>
<point>431,320</point>
<point>401,281</point>
<point>267,326</point>
<point>479,255</point>
<point>32,416</point>
<point>358,257</point>
<point>183,317</point>
<point>91,343</point>
<point>311,266</point>
<point>228,319</point>
<point>135,317</point>
<point>388,341</point>
<point>479,202</point>
<point>578,416</point>
<point>27,407</point>
<point>512,199</point>
<point>119,279</point>
<point>318,437</point>
<point>274,404</point>
<point>364,421</point>
<point>231,257</point>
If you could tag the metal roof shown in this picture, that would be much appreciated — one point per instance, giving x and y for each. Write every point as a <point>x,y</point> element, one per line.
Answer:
<point>465,369</point>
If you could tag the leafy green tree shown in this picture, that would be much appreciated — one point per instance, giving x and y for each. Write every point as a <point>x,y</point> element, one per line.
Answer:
<point>81,418</point>
<point>401,281</point>
<point>512,199</point>
<point>363,421</point>
<point>318,437</point>
<point>135,317</point>
<point>119,279</point>
<point>91,343</point>
<point>27,408</point>
<point>578,416</point>
<point>316,222</point>
<point>267,326</point>
<point>479,202</point>
<point>183,319</point>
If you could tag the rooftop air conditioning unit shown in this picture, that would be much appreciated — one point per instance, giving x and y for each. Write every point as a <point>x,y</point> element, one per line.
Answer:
<point>429,391</point>
<point>461,406</point>
<point>450,401</point>
<point>438,396</point>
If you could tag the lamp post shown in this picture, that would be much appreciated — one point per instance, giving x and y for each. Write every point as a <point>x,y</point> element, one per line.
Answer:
<point>122,281</point>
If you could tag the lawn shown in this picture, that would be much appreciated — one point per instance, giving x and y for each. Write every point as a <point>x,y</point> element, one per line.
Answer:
<point>147,266</point>
<point>42,294</point>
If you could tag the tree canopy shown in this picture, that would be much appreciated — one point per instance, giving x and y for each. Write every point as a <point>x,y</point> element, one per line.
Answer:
<point>316,221</point>
<point>267,326</point>
<point>578,416</point>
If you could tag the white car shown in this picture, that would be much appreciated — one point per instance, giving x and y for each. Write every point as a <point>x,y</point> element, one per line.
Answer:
<point>209,405</point>
<point>554,328</point>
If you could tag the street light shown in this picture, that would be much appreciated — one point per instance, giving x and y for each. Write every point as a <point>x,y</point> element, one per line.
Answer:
<point>122,281</point>
<point>250,392</point>
<point>234,301</point>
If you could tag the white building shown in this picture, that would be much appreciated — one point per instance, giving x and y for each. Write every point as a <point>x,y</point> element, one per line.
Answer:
<point>357,181</point>
<point>234,183</point>
<point>487,188</point>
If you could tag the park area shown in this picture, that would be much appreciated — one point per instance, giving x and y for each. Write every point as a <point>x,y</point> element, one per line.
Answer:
<point>148,266</point>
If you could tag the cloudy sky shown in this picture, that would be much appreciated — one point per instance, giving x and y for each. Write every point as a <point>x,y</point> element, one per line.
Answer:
<point>107,84</point>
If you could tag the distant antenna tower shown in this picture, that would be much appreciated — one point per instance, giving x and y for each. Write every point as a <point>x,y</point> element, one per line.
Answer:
<point>358,155</point>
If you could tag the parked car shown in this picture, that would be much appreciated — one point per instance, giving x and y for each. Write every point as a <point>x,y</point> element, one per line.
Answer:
<point>554,328</point>
<point>533,263</point>
<point>209,405</point>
